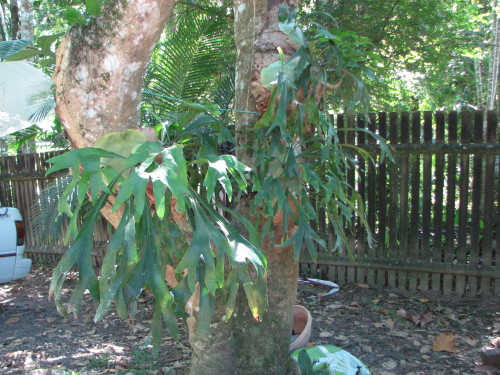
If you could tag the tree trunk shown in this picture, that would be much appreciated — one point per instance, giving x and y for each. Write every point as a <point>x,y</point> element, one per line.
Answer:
<point>26,19</point>
<point>242,345</point>
<point>14,19</point>
<point>100,70</point>
<point>494,59</point>
<point>3,24</point>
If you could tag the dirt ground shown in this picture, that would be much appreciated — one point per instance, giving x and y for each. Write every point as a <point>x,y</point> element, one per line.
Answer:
<point>391,333</point>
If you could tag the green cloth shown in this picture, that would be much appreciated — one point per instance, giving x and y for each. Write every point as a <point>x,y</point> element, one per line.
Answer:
<point>339,361</point>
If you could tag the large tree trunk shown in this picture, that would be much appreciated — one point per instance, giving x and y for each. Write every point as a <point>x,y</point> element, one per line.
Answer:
<point>100,70</point>
<point>242,345</point>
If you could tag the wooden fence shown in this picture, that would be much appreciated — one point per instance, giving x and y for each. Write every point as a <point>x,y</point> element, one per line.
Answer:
<point>434,212</point>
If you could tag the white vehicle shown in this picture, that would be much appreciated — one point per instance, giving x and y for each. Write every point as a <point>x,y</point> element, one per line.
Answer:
<point>13,265</point>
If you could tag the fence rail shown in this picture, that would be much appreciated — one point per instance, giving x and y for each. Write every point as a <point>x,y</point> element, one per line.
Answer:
<point>434,212</point>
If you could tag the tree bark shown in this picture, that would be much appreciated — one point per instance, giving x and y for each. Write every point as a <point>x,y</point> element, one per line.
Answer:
<point>494,59</point>
<point>14,19</point>
<point>26,20</point>
<point>3,24</point>
<point>100,69</point>
<point>242,345</point>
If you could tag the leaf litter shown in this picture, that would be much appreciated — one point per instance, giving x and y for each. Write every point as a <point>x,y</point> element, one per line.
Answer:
<point>393,334</point>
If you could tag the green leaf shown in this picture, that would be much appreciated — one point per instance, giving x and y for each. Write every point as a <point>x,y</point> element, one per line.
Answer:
<point>135,185</point>
<point>218,168</point>
<point>45,42</point>
<point>79,252</point>
<point>25,54</point>
<point>289,27</point>
<point>269,75</point>
<point>93,7</point>
<point>10,47</point>
<point>120,143</point>
<point>74,17</point>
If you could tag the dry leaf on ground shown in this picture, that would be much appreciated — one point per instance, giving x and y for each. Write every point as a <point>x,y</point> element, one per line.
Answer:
<point>423,319</point>
<point>445,342</point>
<point>12,320</point>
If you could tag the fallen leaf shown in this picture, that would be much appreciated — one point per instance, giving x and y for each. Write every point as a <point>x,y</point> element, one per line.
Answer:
<point>388,323</point>
<point>402,312</point>
<point>325,334</point>
<point>425,349</point>
<point>384,311</point>
<point>366,348</point>
<point>342,338</point>
<point>378,325</point>
<point>452,317</point>
<point>423,319</point>
<point>17,314</point>
<point>389,365</point>
<point>355,304</point>
<point>364,286</point>
<point>400,333</point>
<point>445,342</point>
<point>51,320</point>
<point>424,300</point>
<point>470,340</point>
<point>12,320</point>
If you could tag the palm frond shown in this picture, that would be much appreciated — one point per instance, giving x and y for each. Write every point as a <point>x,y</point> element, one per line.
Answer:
<point>45,224</point>
<point>186,66</point>
<point>40,105</point>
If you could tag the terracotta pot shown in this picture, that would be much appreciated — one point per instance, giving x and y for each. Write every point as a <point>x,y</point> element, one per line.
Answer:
<point>302,326</point>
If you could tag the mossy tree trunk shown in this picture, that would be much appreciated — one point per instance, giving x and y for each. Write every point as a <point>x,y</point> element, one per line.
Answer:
<point>243,345</point>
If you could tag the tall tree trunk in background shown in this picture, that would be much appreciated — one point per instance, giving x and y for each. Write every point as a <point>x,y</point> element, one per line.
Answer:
<point>242,345</point>
<point>494,59</point>
<point>3,24</point>
<point>26,19</point>
<point>478,70</point>
<point>100,69</point>
<point>14,19</point>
